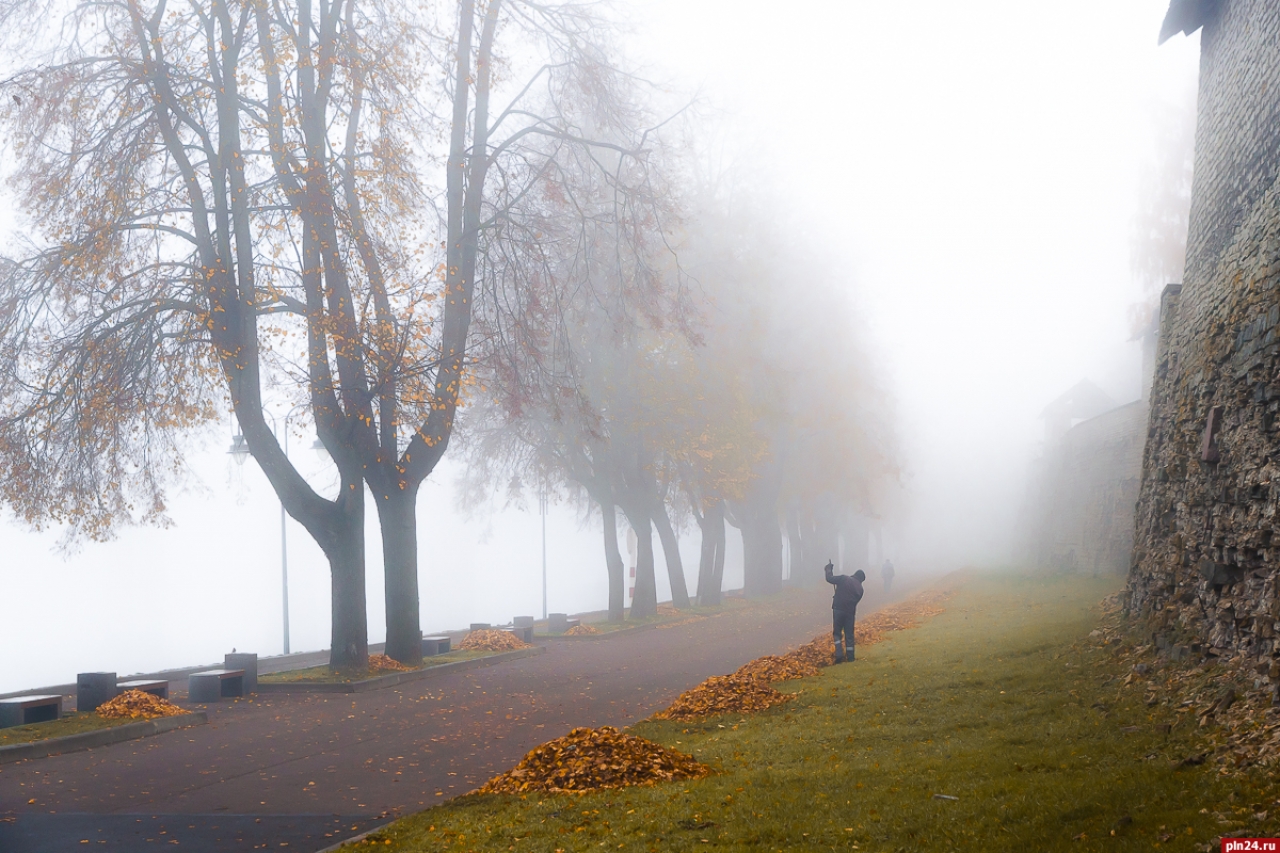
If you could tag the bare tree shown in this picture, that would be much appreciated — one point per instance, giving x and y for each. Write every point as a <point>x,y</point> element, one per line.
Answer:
<point>231,207</point>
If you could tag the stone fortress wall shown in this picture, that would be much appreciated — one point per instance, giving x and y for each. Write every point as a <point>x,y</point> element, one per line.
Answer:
<point>1089,484</point>
<point>1207,536</point>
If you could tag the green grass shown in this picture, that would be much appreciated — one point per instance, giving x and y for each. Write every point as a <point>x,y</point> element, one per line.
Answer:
<point>325,675</point>
<point>992,702</point>
<point>71,724</point>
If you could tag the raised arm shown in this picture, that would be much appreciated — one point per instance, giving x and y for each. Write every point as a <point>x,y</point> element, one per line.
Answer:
<point>827,569</point>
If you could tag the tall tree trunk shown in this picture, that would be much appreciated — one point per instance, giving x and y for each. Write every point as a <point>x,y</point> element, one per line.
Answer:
<point>398,518</point>
<point>671,551</point>
<point>709,582</point>
<point>762,551</point>
<point>717,579</point>
<point>613,562</point>
<point>856,536</point>
<point>826,536</point>
<point>349,630</point>
<point>796,567</point>
<point>645,602</point>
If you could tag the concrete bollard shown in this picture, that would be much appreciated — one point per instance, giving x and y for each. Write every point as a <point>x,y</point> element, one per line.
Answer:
<point>249,663</point>
<point>93,689</point>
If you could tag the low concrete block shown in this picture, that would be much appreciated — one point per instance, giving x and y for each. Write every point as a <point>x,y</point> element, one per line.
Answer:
<point>480,626</point>
<point>94,688</point>
<point>558,623</point>
<point>522,622</point>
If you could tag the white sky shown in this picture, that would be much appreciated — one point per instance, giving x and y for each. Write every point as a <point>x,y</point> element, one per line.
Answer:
<point>974,164</point>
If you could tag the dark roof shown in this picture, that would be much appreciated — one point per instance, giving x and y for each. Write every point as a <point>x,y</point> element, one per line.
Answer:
<point>1186,16</point>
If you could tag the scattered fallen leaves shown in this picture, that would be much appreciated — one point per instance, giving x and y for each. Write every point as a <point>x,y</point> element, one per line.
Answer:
<point>492,640</point>
<point>383,663</point>
<point>139,705</point>
<point>901,616</point>
<point>723,694</point>
<point>590,759</point>
<point>581,630</point>
<point>772,668</point>
<point>1220,695</point>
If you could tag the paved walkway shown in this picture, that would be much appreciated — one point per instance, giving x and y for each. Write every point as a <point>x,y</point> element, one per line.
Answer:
<point>308,769</point>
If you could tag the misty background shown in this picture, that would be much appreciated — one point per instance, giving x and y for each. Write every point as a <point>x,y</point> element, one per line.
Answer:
<point>974,170</point>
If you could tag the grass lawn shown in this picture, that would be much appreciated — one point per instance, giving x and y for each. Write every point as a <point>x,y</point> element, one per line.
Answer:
<point>71,724</point>
<point>326,675</point>
<point>1001,702</point>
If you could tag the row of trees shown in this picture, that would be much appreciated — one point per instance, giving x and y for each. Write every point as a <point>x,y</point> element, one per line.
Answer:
<point>729,390</point>
<point>269,204</point>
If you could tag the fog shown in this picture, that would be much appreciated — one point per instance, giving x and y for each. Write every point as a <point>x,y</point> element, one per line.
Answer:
<point>972,170</point>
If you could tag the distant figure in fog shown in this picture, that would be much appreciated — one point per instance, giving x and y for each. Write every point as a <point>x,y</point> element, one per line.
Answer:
<point>886,572</point>
<point>844,607</point>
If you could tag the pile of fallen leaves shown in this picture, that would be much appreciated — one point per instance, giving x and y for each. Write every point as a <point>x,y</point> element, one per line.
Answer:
<point>818,652</point>
<point>383,663</point>
<point>138,705</point>
<point>581,630</point>
<point>771,668</point>
<point>492,640</point>
<point>723,694</point>
<point>591,759</point>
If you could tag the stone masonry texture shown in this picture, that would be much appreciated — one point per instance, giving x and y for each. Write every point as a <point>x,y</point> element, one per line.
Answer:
<point>1207,536</point>
<point>1084,508</point>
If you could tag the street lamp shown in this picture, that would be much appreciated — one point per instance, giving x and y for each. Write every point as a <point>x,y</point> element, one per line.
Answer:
<point>542,508</point>
<point>239,451</point>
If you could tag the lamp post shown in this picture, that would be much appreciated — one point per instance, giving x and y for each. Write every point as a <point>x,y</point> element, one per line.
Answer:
<point>239,450</point>
<point>542,508</point>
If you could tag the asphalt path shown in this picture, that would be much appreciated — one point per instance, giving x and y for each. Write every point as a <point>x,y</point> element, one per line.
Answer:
<point>304,770</point>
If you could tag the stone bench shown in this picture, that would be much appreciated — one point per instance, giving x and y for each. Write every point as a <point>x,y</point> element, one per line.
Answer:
<point>24,710</point>
<point>156,688</point>
<point>215,684</point>
<point>435,645</point>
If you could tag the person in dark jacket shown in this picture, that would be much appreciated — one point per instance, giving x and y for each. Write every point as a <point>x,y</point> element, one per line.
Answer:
<point>844,607</point>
